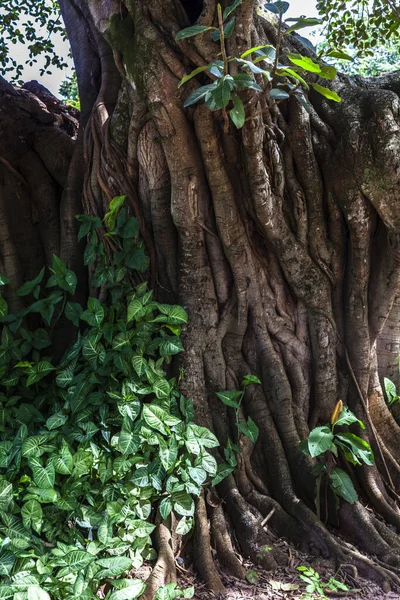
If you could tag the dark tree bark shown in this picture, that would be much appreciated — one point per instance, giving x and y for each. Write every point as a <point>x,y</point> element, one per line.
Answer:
<point>282,240</point>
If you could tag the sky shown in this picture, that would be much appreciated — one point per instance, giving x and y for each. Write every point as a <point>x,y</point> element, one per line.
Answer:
<point>52,82</point>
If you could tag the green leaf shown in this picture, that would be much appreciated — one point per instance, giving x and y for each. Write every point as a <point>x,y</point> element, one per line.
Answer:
<point>29,286</point>
<point>230,397</point>
<point>35,592</point>
<point>114,566</point>
<point>256,49</point>
<point>6,490</point>
<point>339,54</point>
<point>305,63</point>
<point>3,307</point>
<point>320,440</point>
<point>202,436</point>
<point>44,477</point>
<point>168,453</point>
<point>156,417</point>
<point>244,80</point>
<point>94,315</point>
<point>229,9</point>
<point>342,485</point>
<point>194,73</point>
<point>73,311</point>
<point>250,379</point>
<point>222,472</point>
<point>229,28</point>
<point>301,23</point>
<point>222,92</point>
<point>176,315</point>
<point>139,364</point>
<point>347,417</point>
<point>170,346</point>
<point>199,94</point>
<point>128,589</point>
<point>358,446</point>
<point>184,526</point>
<point>237,113</point>
<point>63,462</point>
<point>165,507</point>
<point>32,515</point>
<point>326,92</point>
<point>390,390</point>
<point>328,72</point>
<point>191,31</point>
<point>128,443</point>
<point>278,8</point>
<point>183,504</point>
<point>135,310</point>
<point>38,371</point>
<point>278,94</point>
<point>4,280</point>
<point>56,420</point>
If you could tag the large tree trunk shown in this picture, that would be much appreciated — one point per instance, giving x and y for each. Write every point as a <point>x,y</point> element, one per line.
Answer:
<point>282,240</point>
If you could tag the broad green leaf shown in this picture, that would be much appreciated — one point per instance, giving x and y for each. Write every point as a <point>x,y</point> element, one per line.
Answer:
<point>326,92</point>
<point>237,113</point>
<point>4,280</point>
<point>165,507</point>
<point>191,31</point>
<point>6,494</point>
<point>43,477</point>
<point>38,371</point>
<point>114,566</point>
<point>184,526</point>
<point>3,307</point>
<point>201,436</point>
<point>347,417</point>
<point>94,315</point>
<point>156,417</point>
<point>168,453</point>
<point>77,560</point>
<point>207,462</point>
<point>358,446</point>
<point>230,397</point>
<point>250,429</point>
<point>250,379</point>
<point>73,312</point>
<point>328,72</point>
<point>230,9</point>
<point>198,475</point>
<point>32,515</point>
<point>339,54</point>
<point>183,504</point>
<point>35,592</point>
<point>229,28</point>
<point>128,589</point>
<point>176,315</point>
<point>29,286</point>
<point>278,94</point>
<point>301,23</point>
<point>194,73</point>
<point>170,346</point>
<point>223,471</point>
<point>135,310</point>
<point>56,420</point>
<point>65,376</point>
<point>197,95</point>
<point>244,80</point>
<point>342,485</point>
<point>278,8</point>
<point>161,388</point>
<point>304,62</point>
<point>390,389</point>
<point>320,440</point>
<point>255,49</point>
<point>128,442</point>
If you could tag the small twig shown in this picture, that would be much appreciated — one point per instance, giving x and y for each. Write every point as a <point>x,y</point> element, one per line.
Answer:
<point>267,518</point>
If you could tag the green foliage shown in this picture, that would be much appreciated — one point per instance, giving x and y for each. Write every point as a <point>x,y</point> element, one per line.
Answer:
<point>315,588</point>
<point>225,93</point>
<point>327,443</point>
<point>69,92</point>
<point>233,399</point>
<point>362,24</point>
<point>391,392</point>
<point>34,24</point>
<point>90,444</point>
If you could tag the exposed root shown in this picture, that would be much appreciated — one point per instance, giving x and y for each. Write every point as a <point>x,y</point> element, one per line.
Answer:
<point>223,544</point>
<point>164,570</point>
<point>202,549</point>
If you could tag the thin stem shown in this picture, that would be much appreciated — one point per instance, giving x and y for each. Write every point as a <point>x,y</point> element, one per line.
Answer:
<point>278,46</point>
<point>222,40</point>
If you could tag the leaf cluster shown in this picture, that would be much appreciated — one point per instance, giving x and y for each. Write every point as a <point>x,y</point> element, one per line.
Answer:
<point>91,444</point>
<point>327,443</point>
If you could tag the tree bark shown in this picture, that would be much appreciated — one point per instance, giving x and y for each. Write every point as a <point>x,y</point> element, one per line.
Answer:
<point>282,240</point>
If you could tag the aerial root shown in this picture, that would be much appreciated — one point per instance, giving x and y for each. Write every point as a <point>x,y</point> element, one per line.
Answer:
<point>202,549</point>
<point>164,570</point>
<point>223,543</point>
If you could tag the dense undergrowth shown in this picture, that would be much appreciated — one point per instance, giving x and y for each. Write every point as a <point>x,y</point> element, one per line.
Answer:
<point>92,444</point>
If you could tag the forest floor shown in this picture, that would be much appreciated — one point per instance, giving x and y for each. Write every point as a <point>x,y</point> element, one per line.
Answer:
<point>285,583</point>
